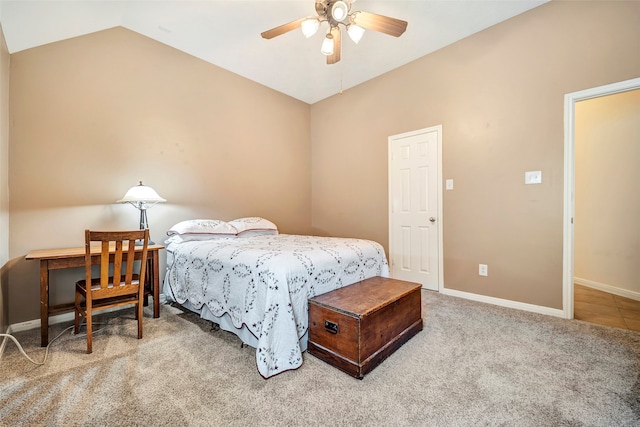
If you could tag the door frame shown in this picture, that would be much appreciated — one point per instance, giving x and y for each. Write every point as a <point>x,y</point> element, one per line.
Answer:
<point>440,220</point>
<point>570,100</point>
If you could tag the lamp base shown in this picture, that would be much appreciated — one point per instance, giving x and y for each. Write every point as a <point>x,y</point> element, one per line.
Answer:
<point>144,224</point>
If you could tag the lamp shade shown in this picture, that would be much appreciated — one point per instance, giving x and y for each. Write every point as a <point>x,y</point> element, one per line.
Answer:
<point>327,45</point>
<point>310,26</point>
<point>355,33</point>
<point>141,196</point>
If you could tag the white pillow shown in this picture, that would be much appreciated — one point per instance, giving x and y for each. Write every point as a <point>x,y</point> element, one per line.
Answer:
<point>191,237</point>
<point>254,224</point>
<point>202,226</point>
<point>252,233</point>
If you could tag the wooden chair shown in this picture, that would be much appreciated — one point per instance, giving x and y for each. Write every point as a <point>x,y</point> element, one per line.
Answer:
<point>124,286</point>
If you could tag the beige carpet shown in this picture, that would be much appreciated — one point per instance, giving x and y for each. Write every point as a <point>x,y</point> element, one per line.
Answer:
<point>473,364</point>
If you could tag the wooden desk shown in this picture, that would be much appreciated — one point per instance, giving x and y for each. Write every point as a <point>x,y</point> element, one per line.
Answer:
<point>56,259</point>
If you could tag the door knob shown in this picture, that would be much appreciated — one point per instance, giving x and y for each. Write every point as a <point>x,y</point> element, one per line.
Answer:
<point>432,219</point>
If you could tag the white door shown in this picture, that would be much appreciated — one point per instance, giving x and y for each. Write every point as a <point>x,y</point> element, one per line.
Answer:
<point>414,207</point>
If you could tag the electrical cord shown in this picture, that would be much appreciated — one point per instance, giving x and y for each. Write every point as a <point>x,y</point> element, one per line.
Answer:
<point>46,353</point>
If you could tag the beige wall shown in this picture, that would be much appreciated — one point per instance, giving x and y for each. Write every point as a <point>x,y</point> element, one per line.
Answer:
<point>607,198</point>
<point>499,96</point>
<point>217,145</point>
<point>4,184</point>
<point>93,115</point>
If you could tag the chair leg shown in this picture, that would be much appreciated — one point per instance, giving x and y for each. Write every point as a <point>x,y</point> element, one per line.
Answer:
<point>89,319</point>
<point>76,320</point>
<point>139,307</point>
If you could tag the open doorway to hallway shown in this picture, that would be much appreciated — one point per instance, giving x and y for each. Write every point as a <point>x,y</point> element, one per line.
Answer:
<point>612,273</point>
<point>606,210</point>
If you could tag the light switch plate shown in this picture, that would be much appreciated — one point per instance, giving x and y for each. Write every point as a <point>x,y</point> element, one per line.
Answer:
<point>448,185</point>
<point>533,177</point>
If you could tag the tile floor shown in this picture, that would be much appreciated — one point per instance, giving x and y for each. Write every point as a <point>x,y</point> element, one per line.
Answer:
<point>594,306</point>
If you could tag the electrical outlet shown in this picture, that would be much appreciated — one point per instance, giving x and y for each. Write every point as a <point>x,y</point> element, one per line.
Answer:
<point>483,270</point>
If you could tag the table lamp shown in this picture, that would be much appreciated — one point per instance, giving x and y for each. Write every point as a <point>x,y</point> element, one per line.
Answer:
<point>142,197</point>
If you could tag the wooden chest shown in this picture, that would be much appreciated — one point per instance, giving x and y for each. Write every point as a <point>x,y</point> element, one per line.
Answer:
<point>356,327</point>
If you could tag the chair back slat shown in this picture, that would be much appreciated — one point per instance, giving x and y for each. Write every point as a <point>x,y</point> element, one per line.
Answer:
<point>104,265</point>
<point>117,264</point>
<point>131,253</point>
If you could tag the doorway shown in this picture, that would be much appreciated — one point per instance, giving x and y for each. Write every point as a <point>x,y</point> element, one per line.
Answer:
<point>415,207</point>
<point>569,181</point>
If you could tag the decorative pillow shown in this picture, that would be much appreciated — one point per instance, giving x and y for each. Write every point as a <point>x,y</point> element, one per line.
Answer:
<point>202,226</point>
<point>255,224</point>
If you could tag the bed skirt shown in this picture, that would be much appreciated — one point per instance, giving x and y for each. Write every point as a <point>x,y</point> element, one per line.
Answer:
<point>225,323</point>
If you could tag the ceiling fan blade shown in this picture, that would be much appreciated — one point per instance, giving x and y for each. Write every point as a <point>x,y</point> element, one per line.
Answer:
<point>337,45</point>
<point>383,24</point>
<point>285,28</point>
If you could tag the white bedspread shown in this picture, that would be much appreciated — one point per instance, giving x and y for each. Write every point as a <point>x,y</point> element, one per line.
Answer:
<point>264,282</point>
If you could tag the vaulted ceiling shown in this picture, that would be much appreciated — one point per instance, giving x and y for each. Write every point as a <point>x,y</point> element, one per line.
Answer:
<point>227,34</point>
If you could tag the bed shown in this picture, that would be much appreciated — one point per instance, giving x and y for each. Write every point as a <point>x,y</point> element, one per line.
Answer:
<point>255,282</point>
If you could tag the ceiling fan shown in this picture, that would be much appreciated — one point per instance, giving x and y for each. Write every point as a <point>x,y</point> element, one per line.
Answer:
<point>339,13</point>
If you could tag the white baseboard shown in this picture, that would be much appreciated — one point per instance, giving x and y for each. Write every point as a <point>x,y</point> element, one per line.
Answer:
<point>58,318</point>
<point>607,288</point>
<point>33,324</point>
<point>64,317</point>
<point>4,341</point>
<point>504,302</point>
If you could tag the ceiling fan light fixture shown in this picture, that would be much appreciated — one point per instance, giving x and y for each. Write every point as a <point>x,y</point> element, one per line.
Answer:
<point>310,26</point>
<point>339,10</point>
<point>327,45</point>
<point>336,13</point>
<point>355,33</point>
